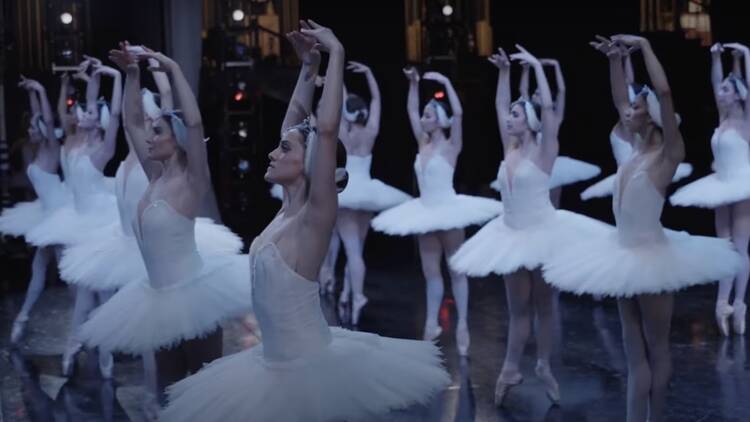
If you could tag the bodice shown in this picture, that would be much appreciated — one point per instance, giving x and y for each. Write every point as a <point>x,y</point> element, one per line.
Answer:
<point>167,242</point>
<point>358,166</point>
<point>287,307</point>
<point>434,178</point>
<point>129,190</point>
<point>525,194</point>
<point>637,206</point>
<point>85,181</point>
<point>47,186</point>
<point>731,154</point>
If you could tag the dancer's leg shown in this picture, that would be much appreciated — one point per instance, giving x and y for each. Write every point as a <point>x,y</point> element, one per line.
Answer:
<point>451,241</point>
<point>430,253</point>
<point>741,239</point>
<point>39,263</point>
<point>656,318</point>
<point>639,371</point>
<point>347,224</point>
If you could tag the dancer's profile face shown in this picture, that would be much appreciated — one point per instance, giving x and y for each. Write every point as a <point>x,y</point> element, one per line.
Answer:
<point>727,93</point>
<point>287,161</point>
<point>636,114</point>
<point>516,124</point>
<point>161,145</point>
<point>89,119</point>
<point>429,120</point>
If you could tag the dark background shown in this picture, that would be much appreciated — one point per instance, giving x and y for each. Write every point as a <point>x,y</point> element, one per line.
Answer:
<point>373,32</point>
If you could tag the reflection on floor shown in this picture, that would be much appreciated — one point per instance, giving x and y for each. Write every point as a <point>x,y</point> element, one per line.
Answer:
<point>711,379</point>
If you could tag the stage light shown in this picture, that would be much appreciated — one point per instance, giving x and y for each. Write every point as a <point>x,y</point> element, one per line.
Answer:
<point>243,166</point>
<point>66,18</point>
<point>447,10</point>
<point>239,96</point>
<point>70,101</point>
<point>238,15</point>
<point>242,133</point>
<point>439,95</point>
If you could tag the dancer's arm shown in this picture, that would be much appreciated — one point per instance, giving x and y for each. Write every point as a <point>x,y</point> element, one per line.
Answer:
<point>502,94</point>
<point>717,69</point>
<point>45,108</point>
<point>456,108</point>
<point>561,89</point>
<point>412,104</point>
<point>373,119</point>
<point>523,85</point>
<point>195,147</point>
<point>107,150</point>
<point>549,119</point>
<point>322,171</point>
<point>674,146</point>
<point>745,52</point>
<point>33,99</point>
<point>300,105</point>
<point>617,82</point>
<point>737,63</point>
<point>166,101</point>
<point>66,117</point>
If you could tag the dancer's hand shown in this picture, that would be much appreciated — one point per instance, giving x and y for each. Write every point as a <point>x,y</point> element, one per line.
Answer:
<point>411,74</point>
<point>500,60</point>
<point>549,62</point>
<point>629,40</point>
<point>524,56</point>
<point>737,48</point>
<point>304,46</point>
<point>92,60</point>
<point>105,70</point>
<point>320,81</point>
<point>30,84</point>
<point>326,39</point>
<point>606,46</point>
<point>164,63</point>
<point>437,77</point>
<point>123,57</point>
<point>717,48</point>
<point>358,67</point>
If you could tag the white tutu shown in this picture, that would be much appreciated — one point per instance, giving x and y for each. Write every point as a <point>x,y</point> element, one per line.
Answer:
<point>713,191</point>
<point>362,192</point>
<point>565,171</point>
<point>602,266</point>
<point>358,376</point>
<point>22,217</point>
<point>110,259</point>
<point>418,216</point>
<point>501,249</point>
<point>605,187</point>
<point>140,318</point>
<point>66,226</point>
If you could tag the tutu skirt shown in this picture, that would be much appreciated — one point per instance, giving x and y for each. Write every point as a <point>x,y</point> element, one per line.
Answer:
<point>66,226</point>
<point>603,266</point>
<point>453,211</point>
<point>22,217</point>
<point>110,259</point>
<point>712,191</point>
<point>605,187</point>
<point>358,376</point>
<point>372,195</point>
<point>140,318</point>
<point>501,249</point>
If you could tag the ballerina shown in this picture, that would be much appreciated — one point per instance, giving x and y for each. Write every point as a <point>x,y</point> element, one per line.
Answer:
<point>566,170</point>
<point>621,141</point>
<point>305,370</point>
<point>439,215</point>
<point>89,145</point>
<point>639,262</point>
<point>176,308</point>
<point>51,194</point>
<point>363,195</point>
<point>530,231</point>
<point>727,190</point>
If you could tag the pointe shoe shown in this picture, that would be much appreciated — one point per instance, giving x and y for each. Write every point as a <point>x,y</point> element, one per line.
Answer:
<point>358,303</point>
<point>738,318</point>
<point>431,332</point>
<point>18,330</point>
<point>106,366</point>
<point>462,339</point>
<point>69,359</point>
<point>343,308</point>
<point>503,387</point>
<point>552,389</point>
<point>723,311</point>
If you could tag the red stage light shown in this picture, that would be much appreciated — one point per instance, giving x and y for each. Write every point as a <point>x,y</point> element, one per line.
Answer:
<point>239,96</point>
<point>70,102</point>
<point>439,95</point>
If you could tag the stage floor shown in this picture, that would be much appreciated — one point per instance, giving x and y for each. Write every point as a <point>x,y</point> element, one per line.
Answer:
<point>711,380</point>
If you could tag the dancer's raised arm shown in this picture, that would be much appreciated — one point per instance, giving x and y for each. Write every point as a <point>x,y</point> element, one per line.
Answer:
<point>745,52</point>
<point>456,108</point>
<point>502,94</point>
<point>412,104</point>
<point>105,153</point>
<point>300,105</point>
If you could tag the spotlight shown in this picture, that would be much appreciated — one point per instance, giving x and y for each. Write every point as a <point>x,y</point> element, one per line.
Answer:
<point>242,133</point>
<point>239,96</point>
<point>70,101</point>
<point>238,15</point>
<point>66,18</point>
<point>439,95</point>
<point>243,166</point>
<point>447,10</point>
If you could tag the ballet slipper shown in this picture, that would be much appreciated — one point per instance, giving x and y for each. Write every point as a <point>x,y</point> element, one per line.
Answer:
<point>503,386</point>
<point>358,303</point>
<point>462,339</point>
<point>432,332</point>
<point>18,330</point>
<point>738,318</point>
<point>544,372</point>
<point>723,311</point>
